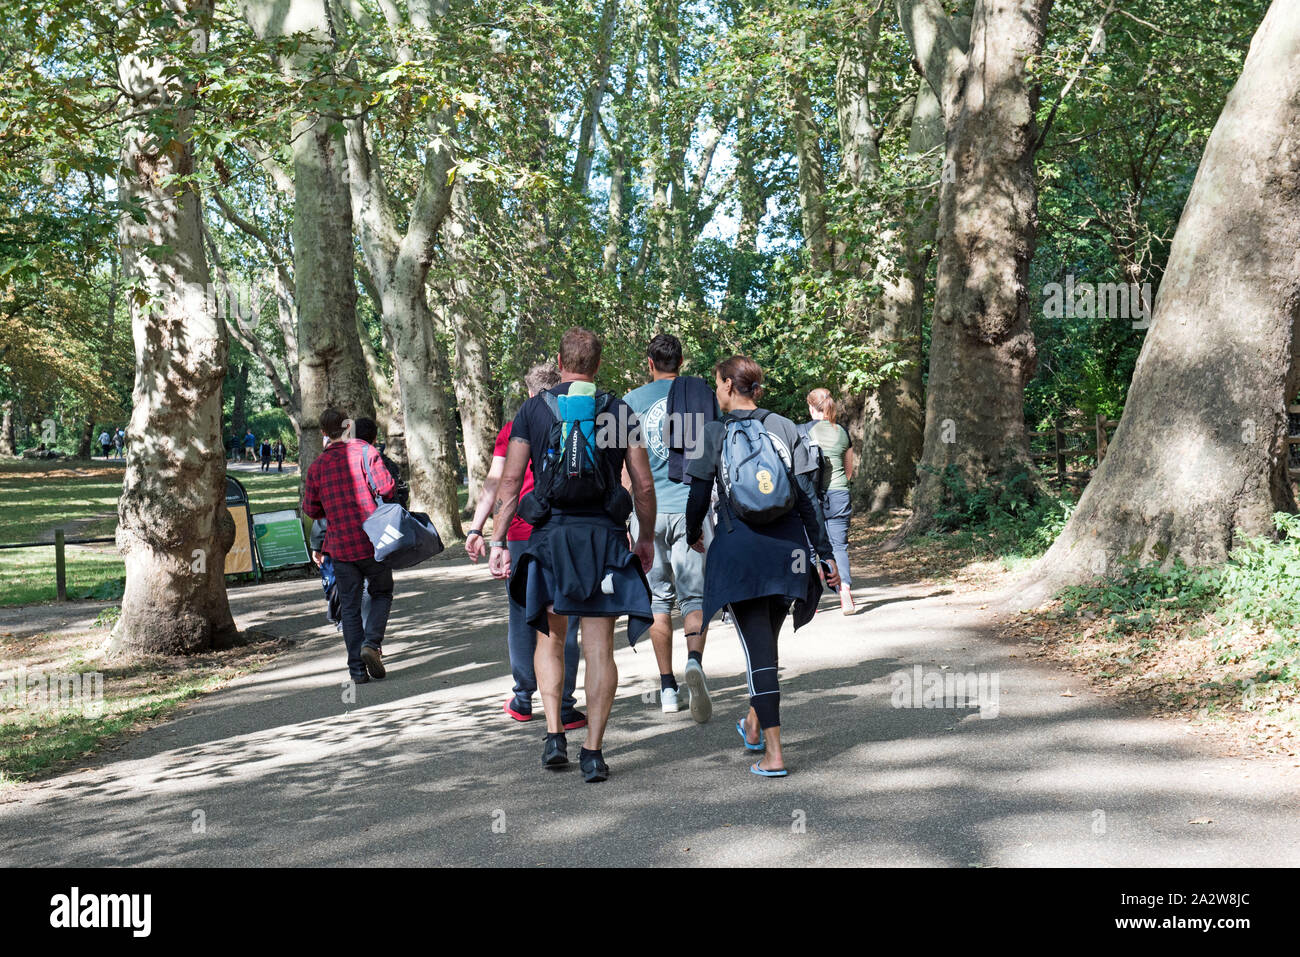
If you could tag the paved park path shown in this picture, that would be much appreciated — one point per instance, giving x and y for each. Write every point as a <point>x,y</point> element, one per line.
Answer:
<point>425,769</point>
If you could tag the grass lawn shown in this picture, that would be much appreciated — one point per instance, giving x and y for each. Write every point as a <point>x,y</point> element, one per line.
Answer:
<point>81,498</point>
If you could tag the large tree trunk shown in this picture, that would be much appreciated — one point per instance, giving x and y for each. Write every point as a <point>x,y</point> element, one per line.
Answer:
<point>84,440</point>
<point>173,526</point>
<point>982,351</point>
<point>1200,456</point>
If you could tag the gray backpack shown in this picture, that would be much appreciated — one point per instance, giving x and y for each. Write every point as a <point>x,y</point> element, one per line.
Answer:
<point>755,478</point>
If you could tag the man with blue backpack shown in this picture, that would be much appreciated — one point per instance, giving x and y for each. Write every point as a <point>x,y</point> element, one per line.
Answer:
<point>577,561</point>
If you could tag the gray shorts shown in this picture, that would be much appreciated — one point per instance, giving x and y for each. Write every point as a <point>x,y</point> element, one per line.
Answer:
<point>678,571</point>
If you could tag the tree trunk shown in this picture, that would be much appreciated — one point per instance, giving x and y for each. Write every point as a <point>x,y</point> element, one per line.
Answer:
<point>7,444</point>
<point>173,526</point>
<point>421,375</point>
<point>982,351</point>
<point>1200,456</point>
<point>85,439</point>
<point>331,365</point>
<point>466,323</point>
<point>893,415</point>
<point>239,407</point>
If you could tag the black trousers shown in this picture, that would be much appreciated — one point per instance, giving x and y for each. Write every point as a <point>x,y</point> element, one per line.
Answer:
<point>352,577</point>
<point>758,623</point>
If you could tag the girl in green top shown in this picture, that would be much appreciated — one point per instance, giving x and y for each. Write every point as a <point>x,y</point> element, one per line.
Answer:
<point>838,449</point>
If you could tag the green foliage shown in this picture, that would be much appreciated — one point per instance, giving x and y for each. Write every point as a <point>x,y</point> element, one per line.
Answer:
<point>1012,518</point>
<point>1257,589</point>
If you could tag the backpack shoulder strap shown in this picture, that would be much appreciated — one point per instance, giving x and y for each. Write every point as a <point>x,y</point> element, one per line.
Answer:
<point>551,401</point>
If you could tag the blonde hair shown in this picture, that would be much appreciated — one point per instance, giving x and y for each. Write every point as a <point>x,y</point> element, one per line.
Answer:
<point>820,399</point>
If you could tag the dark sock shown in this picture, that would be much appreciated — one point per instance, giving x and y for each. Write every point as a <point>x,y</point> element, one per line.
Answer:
<point>584,753</point>
<point>666,682</point>
<point>554,734</point>
<point>696,656</point>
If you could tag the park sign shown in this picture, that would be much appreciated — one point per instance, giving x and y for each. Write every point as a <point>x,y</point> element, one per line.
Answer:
<point>279,538</point>
<point>239,560</point>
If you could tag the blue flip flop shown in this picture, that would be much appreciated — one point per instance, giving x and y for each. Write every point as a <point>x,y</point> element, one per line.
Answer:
<point>740,726</point>
<point>755,769</point>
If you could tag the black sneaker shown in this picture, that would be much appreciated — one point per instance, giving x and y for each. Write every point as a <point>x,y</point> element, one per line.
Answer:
<point>360,679</point>
<point>374,661</point>
<point>555,754</point>
<point>594,768</point>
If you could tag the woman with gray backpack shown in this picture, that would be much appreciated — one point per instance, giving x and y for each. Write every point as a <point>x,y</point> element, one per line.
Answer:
<point>759,564</point>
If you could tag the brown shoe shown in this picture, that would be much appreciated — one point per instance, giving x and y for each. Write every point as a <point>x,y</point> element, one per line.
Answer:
<point>374,661</point>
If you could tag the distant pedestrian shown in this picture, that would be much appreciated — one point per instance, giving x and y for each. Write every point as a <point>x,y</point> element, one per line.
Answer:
<point>250,442</point>
<point>105,443</point>
<point>279,455</point>
<point>837,450</point>
<point>119,444</point>
<point>266,454</point>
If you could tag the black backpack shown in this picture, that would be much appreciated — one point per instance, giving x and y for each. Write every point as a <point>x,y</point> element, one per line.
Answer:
<point>576,473</point>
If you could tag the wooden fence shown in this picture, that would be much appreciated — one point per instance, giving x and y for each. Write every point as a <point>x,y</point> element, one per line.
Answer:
<point>1064,445</point>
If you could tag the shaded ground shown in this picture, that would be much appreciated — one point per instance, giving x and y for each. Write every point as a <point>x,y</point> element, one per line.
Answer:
<point>425,769</point>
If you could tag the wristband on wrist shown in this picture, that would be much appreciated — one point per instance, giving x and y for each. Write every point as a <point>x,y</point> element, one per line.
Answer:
<point>474,531</point>
<point>498,544</point>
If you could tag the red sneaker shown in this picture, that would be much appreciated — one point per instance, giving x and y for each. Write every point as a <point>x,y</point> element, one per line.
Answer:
<point>516,713</point>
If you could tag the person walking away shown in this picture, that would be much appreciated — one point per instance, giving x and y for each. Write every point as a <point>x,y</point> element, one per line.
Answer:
<point>577,560</point>
<point>338,490</point>
<point>266,454</point>
<point>824,433</point>
<point>279,455</point>
<point>250,442</point>
<point>119,444</point>
<point>677,575</point>
<point>521,637</point>
<point>104,444</point>
<point>758,565</point>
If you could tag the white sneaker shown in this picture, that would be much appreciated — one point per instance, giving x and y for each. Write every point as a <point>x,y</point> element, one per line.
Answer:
<point>701,705</point>
<point>670,700</point>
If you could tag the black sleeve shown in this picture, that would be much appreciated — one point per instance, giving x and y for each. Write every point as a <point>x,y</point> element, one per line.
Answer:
<point>810,511</point>
<point>697,509</point>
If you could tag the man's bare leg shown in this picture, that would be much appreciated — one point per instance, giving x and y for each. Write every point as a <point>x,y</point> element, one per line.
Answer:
<point>695,632</point>
<point>602,675</point>
<point>548,663</point>
<point>661,636</point>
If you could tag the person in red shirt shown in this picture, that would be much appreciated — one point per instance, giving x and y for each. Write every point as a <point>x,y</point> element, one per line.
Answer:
<point>339,491</point>
<point>521,638</point>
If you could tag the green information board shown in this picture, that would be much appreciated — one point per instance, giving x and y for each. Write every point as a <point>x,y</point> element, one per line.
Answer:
<point>279,539</point>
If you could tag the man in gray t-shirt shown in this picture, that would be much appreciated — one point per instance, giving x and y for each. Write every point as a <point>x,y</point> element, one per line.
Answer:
<point>678,572</point>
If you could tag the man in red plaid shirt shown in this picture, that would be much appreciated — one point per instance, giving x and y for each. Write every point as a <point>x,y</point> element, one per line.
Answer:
<point>338,491</point>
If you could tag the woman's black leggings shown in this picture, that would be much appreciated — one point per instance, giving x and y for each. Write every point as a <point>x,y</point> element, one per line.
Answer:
<point>758,622</point>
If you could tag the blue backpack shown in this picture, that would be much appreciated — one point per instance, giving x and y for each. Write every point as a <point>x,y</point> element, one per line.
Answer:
<point>755,477</point>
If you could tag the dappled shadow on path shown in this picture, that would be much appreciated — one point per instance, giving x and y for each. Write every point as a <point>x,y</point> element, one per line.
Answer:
<point>423,768</point>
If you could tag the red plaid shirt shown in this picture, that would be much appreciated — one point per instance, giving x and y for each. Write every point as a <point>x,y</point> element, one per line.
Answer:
<point>337,492</point>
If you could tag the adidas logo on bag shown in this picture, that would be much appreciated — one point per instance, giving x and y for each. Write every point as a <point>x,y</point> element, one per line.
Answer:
<point>391,535</point>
